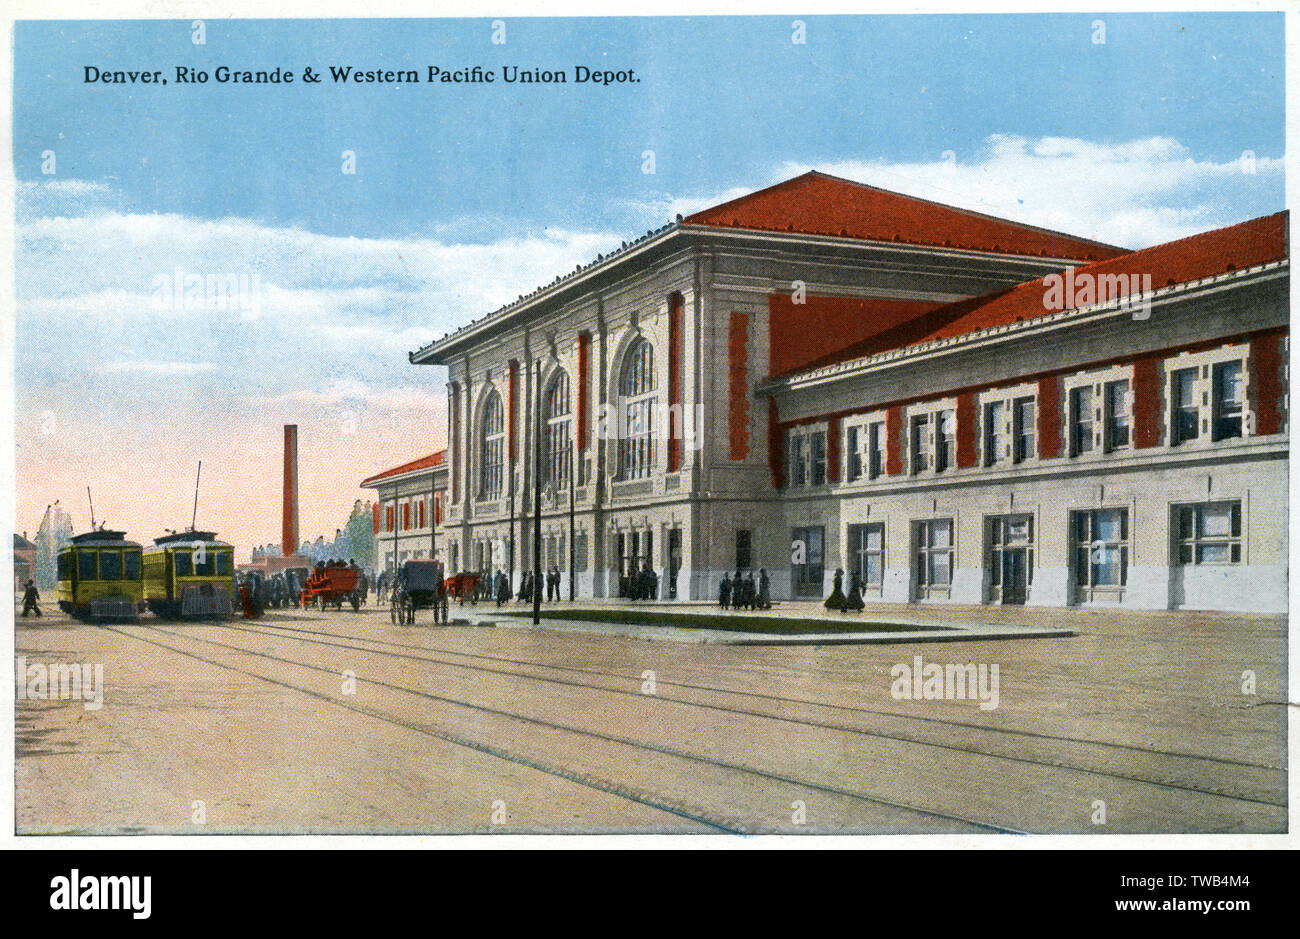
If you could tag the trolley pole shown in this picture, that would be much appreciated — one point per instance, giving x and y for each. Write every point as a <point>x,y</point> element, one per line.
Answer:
<point>537,497</point>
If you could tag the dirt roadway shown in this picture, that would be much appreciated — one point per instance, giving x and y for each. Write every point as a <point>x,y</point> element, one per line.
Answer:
<point>342,722</point>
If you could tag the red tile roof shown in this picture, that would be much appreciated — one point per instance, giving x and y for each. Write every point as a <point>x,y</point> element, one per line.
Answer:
<point>1234,248</point>
<point>818,204</point>
<point>424,462</point>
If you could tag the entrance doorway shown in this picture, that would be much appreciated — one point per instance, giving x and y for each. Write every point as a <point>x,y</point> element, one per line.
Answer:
<point>808,577</point>
<point>1011,558</point>
<point>674,560</point>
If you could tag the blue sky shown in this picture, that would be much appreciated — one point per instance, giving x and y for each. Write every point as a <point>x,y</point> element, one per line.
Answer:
<point>468,195</point>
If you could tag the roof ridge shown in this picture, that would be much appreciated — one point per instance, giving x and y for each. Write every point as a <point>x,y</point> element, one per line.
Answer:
<point>970,213</point>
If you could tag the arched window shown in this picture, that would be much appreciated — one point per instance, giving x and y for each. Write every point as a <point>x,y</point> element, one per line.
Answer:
<point>493,444</point>
<point>637,389</point>
<point>559,426</point>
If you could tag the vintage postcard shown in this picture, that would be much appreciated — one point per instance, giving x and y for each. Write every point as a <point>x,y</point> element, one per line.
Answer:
<point>782,424</point>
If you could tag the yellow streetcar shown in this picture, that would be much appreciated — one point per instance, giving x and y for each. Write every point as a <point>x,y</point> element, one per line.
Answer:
<point>189,574</point>
<point>100,577</point>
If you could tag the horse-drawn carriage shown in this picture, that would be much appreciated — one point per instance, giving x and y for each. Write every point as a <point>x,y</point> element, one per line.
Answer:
<point>418,586</point>
<point>331,586</point>
<point>463,587</point>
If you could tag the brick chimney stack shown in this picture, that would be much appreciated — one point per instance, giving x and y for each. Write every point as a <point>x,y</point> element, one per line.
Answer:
<point>289,533</point>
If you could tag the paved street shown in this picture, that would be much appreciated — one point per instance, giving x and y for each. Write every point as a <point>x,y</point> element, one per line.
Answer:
<point>343,722</point>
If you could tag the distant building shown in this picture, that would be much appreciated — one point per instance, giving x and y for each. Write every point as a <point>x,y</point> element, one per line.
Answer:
<point>24,561</point>
<point>409,509</point>
<point>824,375</point>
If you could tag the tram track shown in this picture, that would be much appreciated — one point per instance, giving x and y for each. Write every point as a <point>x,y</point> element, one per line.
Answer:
<point>837,727</point>
<point>657,800</point>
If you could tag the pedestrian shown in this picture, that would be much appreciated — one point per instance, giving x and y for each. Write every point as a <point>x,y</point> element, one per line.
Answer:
<point>836,600</point>
<point>440,610</point>
<point>502,588</point>
<point>764,590</point>
<point>31,599</point>
<point>724,592</point>
<point>751,592</point>
<point>854,600</point>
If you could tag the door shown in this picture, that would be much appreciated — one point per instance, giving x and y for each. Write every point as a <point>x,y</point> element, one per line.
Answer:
<point>1014,575</point>
<point>807,567</point>
<point>674,560</point>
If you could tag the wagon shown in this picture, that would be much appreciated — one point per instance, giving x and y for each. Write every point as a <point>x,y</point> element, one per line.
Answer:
<point>417,587</point>
<point>330,586</point>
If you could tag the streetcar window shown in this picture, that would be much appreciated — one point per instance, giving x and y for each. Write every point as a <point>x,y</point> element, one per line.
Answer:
<point>205,562</point>
<point>132,565</point>
<point>183,566</point>
<point>223,563</point>
<point>65,566</point>
<point>86,568</point>
<point>110,565</point>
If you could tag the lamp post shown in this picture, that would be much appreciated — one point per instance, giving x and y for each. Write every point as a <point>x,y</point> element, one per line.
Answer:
<point>573,563</point>
<point>537,497</point>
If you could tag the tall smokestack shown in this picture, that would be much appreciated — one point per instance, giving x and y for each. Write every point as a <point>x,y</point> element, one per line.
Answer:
<point>289,534</point>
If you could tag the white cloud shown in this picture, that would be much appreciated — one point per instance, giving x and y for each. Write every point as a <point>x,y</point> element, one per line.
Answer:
<point>1134,193</point>
<point>157,368</point>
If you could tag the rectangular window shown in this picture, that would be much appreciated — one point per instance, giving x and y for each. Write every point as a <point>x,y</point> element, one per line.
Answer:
<point>1080,420</point>
<point>205,562</point>
<point>921,443</point>
<point>110,565</point>
<point>867,554</point>
<point>993,443</point>
<point>817,446</point>
<point>390,518</point>
<point>1117,414</point>
<point>744,549</point>
<point>87,568</point>
<point>223,563</point>
<point>877,449</point>
<point>1187,416</point>
<point>854,456</point>
<point>1100,551</point>
<point>1026,415</point>
<point>798,461</point>
<point>945,440</point>
<point>1227,400</point>
<point>934,559</point>
<point>1209,533</point>
<point>182,563</point>
<point>65,566</point>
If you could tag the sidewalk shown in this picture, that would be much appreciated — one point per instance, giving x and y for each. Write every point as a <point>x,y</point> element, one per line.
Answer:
<point>934,622</point>
<point>947,624</point>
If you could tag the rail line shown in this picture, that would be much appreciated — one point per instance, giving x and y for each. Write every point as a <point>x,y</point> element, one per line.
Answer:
<point>601,785</point>
<point>1031,734</point>
<point>807,722</point>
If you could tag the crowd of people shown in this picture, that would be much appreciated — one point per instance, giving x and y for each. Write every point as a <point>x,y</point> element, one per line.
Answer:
<point>742,592</point>
<point>496,587</point>
<point>642,584</point>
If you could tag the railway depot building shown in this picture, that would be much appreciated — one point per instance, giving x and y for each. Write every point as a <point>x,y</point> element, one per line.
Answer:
<point>408,510</point>
<point>824,375</point>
